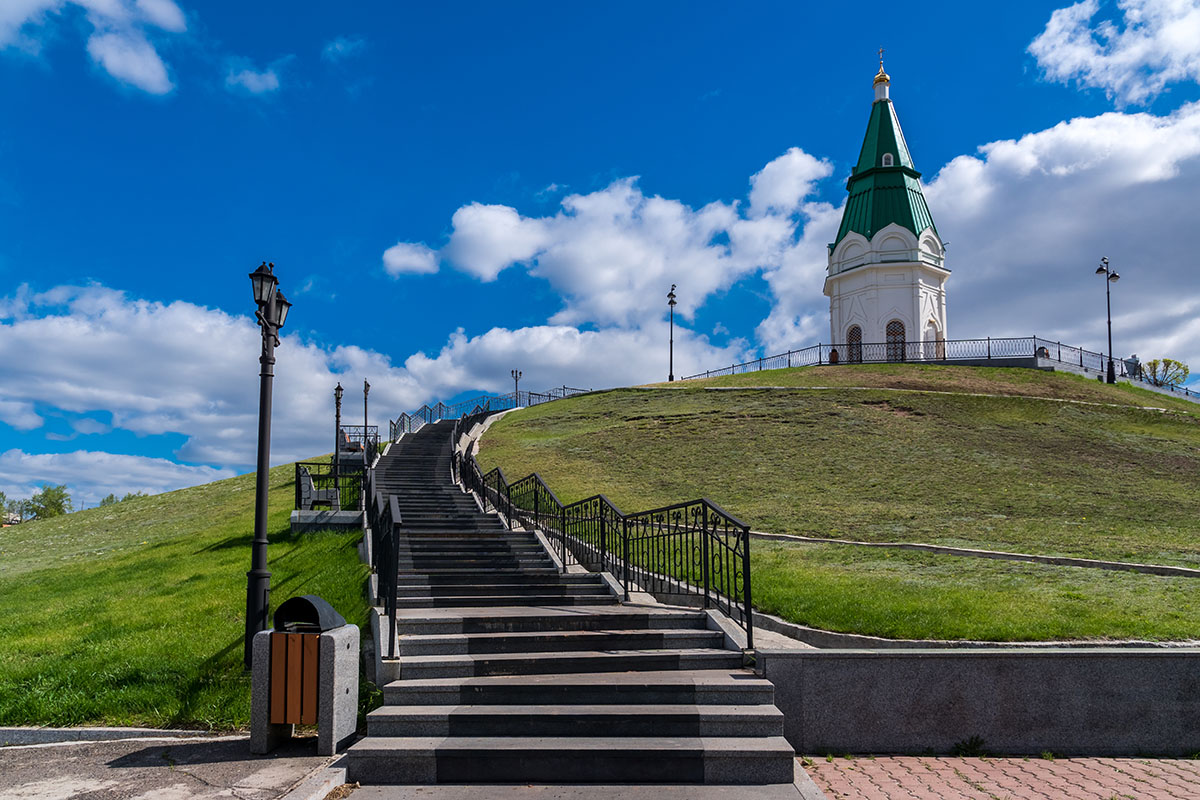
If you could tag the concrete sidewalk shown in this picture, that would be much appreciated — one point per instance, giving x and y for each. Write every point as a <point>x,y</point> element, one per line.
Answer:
<point>154,768</point>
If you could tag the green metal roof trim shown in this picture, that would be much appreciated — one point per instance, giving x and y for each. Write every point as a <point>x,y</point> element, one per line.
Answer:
<point>882,195</point>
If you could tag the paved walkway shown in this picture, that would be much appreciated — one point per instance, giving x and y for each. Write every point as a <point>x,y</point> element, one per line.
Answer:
<point>154,769</point>
<point>949,778</point>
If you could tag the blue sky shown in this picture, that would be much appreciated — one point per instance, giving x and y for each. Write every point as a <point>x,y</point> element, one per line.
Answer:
<point>451,191</point>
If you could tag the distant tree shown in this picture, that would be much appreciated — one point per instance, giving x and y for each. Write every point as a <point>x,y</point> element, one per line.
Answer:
<point>18,508</point>
<point>132,495</point>
<point>110,500</point>
<point>51,501</point>
<point>1165,372</point>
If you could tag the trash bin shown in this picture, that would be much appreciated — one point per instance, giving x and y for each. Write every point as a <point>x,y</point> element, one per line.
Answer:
<point>305,672</point>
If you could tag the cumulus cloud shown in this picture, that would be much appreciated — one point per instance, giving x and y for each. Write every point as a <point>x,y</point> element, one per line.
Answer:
<point>90,476</point>
<point>611,253</point>
<point>409,258</point>
<point>120,42</point>
<point>1028,220</point>
<point>248,79</point>
<point>1156,43</point>
<point>343,47</point>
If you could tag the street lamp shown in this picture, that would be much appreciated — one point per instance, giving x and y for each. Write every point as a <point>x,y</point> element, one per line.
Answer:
<point>671,361</point>
<point>271,314</point>
<point>337,438</point>
<point>1111,277</point>
<point>516,376</point>
<point>366,390</point>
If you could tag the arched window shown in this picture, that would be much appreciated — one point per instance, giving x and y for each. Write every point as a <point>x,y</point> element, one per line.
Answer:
<point>934,344</point>
<point>854,345</point>
<point>887,159</point>
<point>895,340</point>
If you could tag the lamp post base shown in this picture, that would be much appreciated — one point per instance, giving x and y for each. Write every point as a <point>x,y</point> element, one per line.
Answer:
<point>1112,372</point>
<point>258,603</point>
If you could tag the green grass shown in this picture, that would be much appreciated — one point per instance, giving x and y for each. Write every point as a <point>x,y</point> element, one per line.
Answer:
<point>133,614</point>
<point>1006,473</point>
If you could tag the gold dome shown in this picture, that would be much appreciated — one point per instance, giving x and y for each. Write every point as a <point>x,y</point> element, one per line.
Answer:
<point>882,77</point>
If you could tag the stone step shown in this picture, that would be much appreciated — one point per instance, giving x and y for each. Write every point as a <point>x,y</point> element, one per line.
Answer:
<point>521,759</point>
<point>525,620</point>
<point>500,600</point>
<point>557,641</point>
<point>574,590</point>
<point>577,720</point>
<point>514,577</point>
<point>468,666</point>
<point>672,687</point>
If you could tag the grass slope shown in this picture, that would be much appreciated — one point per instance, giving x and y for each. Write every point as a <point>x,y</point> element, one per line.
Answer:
<point>133,614</point>
<point>1011,472</point>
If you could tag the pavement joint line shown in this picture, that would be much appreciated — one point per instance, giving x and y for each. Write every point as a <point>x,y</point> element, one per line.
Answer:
<point>319,782</point>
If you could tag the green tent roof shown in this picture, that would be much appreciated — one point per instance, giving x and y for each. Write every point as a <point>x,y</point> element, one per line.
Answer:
<point>882,195</point>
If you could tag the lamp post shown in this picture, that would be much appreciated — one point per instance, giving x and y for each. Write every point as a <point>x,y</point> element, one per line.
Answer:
<point>516,376</point>
<point>671,346</point>
<point>337,437</point>
<point>366,390</point>
<point>271,314</point>
<point>1111,277</point>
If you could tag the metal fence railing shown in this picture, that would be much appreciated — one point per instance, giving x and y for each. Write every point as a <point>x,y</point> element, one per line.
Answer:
<point>946,350</point>
<point>359,439</point>
<point>408,423</point>
<point>694,548</point>
<point>322,484</point>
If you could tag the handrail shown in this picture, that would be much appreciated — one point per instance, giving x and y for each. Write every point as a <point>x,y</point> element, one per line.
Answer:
<point>384,518</point>
<point>693,548</point>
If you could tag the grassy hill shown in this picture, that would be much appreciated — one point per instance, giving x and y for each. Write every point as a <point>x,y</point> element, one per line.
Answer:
<point>988,458</point>
<point>133,614</point>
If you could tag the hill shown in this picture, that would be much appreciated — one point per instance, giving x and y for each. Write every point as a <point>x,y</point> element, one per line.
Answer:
<point>1000,459</point>
<point>133,614</point>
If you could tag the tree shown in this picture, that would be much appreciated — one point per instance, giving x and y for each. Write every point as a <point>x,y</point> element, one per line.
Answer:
<point>18,508</point>
<point>51,501</point>
<point>110,500</point>
<point>132,495</point>
<point>1165,372</point>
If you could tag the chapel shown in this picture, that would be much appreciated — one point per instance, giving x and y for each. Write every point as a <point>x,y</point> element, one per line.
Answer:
<point>886,278</point>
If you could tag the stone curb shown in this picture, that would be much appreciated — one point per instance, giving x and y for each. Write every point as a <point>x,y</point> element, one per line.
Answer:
<point>320,782</point>
<point>999,555</point>
<point>16,736</point>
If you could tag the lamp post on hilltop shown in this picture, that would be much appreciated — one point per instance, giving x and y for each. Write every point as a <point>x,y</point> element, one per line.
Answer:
<point>671,346</point>
<point>516,376</point>
<point>1111,277</point>
<point>271,314</point>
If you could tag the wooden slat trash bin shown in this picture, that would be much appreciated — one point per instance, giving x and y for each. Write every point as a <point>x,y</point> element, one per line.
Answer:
<point>305,673</point>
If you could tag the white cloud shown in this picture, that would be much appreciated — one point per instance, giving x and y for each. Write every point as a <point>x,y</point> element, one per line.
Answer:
<point>120,41</point>
<point>1156,43</point>
<point>409,258</point>
<point>1029,219</point>
<point>20,415</point>
<point>252,80</point>
<point>612,253</point>
<point>486,239</point>
<point>343,47</point>
<point>781,185</point>
<point>131,59</point>
<point>89,476</point>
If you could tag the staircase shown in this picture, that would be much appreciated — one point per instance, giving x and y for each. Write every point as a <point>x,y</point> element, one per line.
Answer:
<point>514,672</point>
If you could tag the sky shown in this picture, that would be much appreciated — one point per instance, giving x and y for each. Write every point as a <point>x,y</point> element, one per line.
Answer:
<point>452,191</point>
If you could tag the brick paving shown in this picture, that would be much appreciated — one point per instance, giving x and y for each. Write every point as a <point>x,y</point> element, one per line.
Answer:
<point>953,778</point>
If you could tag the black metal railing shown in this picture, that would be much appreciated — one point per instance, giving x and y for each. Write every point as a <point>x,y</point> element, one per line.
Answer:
<point>986,349</point>
<point>692,549</point>
<point>359,439</point>
<point>426,414</point>
<point>321,484</point>
<point>383,518</point>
